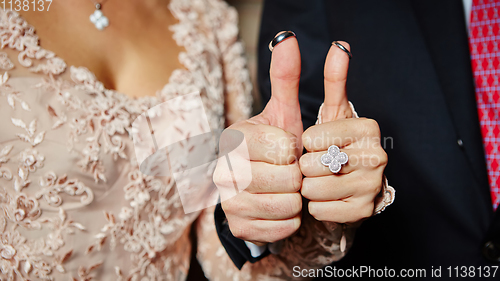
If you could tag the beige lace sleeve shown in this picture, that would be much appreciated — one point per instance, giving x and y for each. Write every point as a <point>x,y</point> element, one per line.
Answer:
<point>237,85</point>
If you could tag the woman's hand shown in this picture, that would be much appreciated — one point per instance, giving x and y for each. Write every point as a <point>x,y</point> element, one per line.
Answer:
<point>348,196</point>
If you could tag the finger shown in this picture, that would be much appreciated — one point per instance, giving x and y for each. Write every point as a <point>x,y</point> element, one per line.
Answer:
<point>336,105</point>
<point>268,178</point>
<point>358,160</point>
<point>341,211</point>
<point>268,231</point>
<point>283,109</point>
<point>333,188</point>
<point>328,188</point>
<point>311,166</point>
<point>341,133</point>
<point>269,206</point>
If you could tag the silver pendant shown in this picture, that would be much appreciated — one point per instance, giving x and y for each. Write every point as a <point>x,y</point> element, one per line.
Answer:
<point>98,19</point>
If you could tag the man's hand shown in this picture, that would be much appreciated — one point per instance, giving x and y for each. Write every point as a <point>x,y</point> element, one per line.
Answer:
<point>348,196</point>
<point>269,209</point>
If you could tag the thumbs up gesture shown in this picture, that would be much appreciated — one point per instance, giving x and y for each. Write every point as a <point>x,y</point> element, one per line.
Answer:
<point>269,209</point>
<point>349,195</point>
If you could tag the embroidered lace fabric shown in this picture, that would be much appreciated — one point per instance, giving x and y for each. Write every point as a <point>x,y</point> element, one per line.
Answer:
<point>73,203</point>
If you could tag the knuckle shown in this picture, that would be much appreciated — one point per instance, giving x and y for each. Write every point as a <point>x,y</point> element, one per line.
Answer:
<point>308,139</point>
<point>303,162</point>
<point>296,178</point>
<point>369,186</point>
<point>380,155</point>
<point>375,186</point>
<point>283,136</point>
<point>228,206</point>
<point>314,212</point>
<point>305,190</point>
<point>284,231</point>
<point>368,212</point>
<point>371,127</point>
<point>286,146</point>
<point>295,203</point>
<point>294,227</point>
<point>307,163</point>
<point>221,176</point>
<point>217,177</point>
<point>288,149</point>
<point>237,206</point>
<point>383,157</point>
<point>373,158</point>
<point>283,205</point>
<point>239,230</point>
<point>365,211</point>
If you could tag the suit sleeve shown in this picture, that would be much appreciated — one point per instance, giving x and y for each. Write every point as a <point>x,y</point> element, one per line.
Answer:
<point>235,248</point>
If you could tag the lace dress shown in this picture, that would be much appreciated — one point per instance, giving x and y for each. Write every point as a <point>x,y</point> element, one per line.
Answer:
<point>73,202</point>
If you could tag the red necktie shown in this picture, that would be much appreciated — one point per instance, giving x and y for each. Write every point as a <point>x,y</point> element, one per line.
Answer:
<point>484,39</point>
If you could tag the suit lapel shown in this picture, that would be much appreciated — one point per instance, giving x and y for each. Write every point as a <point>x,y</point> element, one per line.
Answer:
<point>451,59</point>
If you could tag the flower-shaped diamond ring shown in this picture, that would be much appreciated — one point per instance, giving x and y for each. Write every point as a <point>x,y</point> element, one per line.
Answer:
<point>334,159</point>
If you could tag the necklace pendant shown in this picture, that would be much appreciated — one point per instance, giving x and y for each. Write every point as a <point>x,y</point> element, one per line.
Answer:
<point>98,19</point>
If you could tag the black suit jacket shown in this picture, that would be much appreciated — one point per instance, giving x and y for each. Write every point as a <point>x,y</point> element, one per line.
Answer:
<point>411,72</point>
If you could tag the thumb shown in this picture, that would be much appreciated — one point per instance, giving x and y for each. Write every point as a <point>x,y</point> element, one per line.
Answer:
<point>336,105</point>
<point>283,109</point>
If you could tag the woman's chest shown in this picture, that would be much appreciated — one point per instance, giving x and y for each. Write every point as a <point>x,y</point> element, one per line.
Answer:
<point>134,55</point>
<point>71,180</point>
